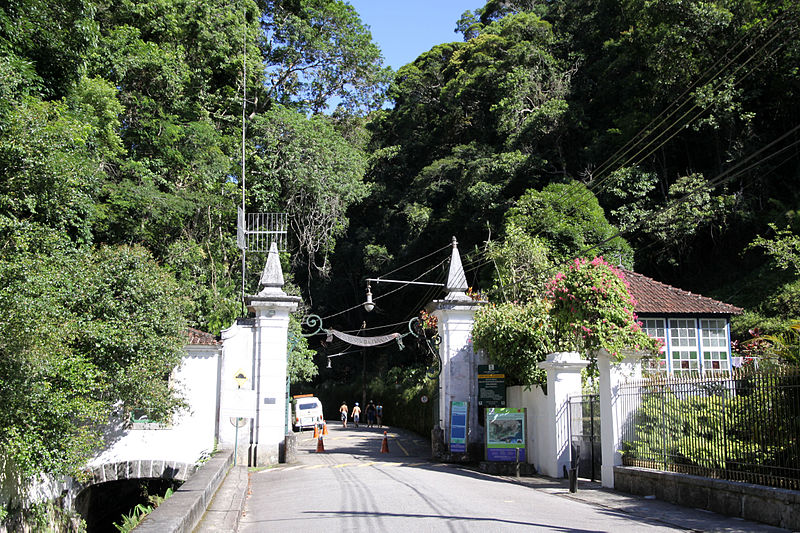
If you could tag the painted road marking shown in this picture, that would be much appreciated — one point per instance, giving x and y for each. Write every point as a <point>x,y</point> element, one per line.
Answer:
<point>401,447</point>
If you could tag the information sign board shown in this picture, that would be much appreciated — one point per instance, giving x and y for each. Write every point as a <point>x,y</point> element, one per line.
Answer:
<point>459,417</point>
<point>505,434</point>
<point>491,386</point>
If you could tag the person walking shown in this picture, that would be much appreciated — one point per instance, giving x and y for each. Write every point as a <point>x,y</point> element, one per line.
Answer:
<point>343,414</point>
<point>379,414</point>
<point>356,414</point>
<point>370,411</point>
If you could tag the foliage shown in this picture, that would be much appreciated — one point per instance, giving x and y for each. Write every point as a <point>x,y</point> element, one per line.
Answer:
<point>521,264</point>
<point>315,173</point>
<point>745,425</point>
<point>140,511</point>
<point>785,346</point>
<point>82,330</point>
<point>317,50</point>
<point>50,172</point>
<point>783,248</point>
<point>301,365</point>
<point>569,219</point>
<point>592,308</point>
<point>691,429</point>
<point>516,337</point>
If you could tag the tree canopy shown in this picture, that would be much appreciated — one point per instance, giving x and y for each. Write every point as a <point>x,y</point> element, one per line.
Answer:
<point>661,134</point>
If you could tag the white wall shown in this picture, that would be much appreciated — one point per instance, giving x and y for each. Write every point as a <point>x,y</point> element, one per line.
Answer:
<point>191,434</point>
<point>237,354</point>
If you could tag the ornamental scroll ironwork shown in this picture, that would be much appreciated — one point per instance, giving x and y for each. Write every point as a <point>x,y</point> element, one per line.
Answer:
<point>314,324</point>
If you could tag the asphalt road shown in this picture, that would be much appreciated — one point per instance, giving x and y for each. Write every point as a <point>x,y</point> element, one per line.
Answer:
<point>352,486</point>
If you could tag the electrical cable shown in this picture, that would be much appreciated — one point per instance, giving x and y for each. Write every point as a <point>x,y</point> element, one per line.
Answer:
<point>392,291</point>
<point>711,184</point>
<point>600,184</point>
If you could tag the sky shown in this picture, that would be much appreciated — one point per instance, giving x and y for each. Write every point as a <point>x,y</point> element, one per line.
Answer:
<point>404,29</point>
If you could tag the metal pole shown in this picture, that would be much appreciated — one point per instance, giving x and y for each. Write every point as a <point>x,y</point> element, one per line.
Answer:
<point>591,431</point>
<point>364,377</point>
<point>236,442</point>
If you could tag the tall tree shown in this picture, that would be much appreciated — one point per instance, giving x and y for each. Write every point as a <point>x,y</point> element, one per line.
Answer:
<point>319,54</point>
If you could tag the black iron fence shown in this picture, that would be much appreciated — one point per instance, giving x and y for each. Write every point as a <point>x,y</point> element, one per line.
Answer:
<point>743,427</point>
<point>584,432</point>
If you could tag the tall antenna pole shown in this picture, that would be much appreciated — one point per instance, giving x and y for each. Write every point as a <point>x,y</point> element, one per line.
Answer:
<point>244,126</point>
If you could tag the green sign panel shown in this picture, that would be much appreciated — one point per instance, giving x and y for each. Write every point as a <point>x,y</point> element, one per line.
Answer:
<point>505,434</point>
<point>491,386</point>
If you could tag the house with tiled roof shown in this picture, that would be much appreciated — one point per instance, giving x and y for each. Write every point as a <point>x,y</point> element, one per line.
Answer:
<point>694,329</point>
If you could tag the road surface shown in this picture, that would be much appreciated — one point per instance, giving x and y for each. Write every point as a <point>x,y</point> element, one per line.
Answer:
<point>352,486</point>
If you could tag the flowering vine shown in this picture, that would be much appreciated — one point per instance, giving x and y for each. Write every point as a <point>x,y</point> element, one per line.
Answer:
<point>591,305</point>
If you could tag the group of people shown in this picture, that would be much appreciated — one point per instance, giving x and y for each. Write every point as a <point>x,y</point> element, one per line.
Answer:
<point>373,413</point>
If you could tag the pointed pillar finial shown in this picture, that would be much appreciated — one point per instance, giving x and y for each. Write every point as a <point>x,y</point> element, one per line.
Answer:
<point>456,285</point>
<point>272,276</point>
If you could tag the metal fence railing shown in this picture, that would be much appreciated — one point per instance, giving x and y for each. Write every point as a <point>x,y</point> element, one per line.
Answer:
<point>584,433</point>
<point>741,427</point>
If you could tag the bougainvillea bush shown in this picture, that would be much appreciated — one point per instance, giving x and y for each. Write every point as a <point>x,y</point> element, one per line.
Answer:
<point>591,305</point>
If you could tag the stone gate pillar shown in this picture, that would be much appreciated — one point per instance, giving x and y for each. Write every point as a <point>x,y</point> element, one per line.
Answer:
<point>613,412</point>
<point>270,335</point>
<point>552,438</point>
<point>458,380</point>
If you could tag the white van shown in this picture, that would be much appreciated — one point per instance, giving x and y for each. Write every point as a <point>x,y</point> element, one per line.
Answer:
<point>307,411</point>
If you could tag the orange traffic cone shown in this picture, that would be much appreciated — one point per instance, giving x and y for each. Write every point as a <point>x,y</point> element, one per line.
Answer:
<point>324,428</point>
<point>385,444</point>
<point>320,445</point>
<point>316,431</point>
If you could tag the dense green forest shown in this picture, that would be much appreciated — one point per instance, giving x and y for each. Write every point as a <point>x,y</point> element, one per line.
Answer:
<point>662,134</point>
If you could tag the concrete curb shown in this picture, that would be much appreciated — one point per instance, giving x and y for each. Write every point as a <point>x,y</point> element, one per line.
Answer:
<point>181,512</point>
<point>225,510</point>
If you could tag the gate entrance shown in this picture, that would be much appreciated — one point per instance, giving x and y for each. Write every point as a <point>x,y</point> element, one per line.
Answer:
<point>584,431</point>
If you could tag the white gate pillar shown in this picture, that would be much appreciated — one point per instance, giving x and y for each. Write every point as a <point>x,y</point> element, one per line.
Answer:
<point>613,412</point>
<point>458,378</point>
<point>270,336</point>
<point>563,380</point>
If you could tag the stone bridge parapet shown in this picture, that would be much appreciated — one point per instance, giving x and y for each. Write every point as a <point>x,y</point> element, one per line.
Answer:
<point>141,469</point>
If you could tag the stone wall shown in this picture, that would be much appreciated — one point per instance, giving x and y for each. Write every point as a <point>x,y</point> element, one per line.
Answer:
<point>777,507</point>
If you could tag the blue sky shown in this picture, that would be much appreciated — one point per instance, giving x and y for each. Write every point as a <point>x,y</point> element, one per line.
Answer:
<point>403,29</point>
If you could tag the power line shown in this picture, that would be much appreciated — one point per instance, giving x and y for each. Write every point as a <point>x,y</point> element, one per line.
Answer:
<point>579,199</point>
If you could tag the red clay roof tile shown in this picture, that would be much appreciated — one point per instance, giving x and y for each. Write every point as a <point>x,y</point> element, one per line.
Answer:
<point>201,337</point>
<point>654,297</point>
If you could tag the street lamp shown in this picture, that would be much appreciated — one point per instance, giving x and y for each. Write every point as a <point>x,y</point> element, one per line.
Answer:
<point>369,305</point>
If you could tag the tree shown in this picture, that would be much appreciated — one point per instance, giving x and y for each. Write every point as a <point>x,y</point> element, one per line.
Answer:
<point>301,365</point>
<point>304,166</point>
<point>569,219</point>
<point>517,337</point>
<point>319,50</point>
<point>49,41</point>
<point>783,248</point>
<point>522,266</point>
<point>51,174</point>
<point>84,332</point>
